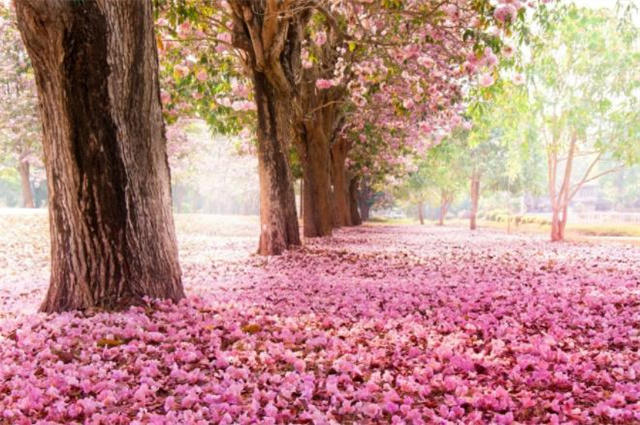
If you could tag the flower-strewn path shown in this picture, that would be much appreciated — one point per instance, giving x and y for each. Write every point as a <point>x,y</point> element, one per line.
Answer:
<point>384,325</point>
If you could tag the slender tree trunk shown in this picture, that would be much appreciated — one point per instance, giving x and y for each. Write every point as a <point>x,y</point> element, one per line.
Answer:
<point>25,183</point>
<point>356,220</point>
<point>112,232</point>
<point>278,219</point>
<point>421,212</point>
<point>342,211</point>
<point>444,206</point>
<point>560,201</point>
<point>318,214</point>
<point>475,196</point>
<point>557,229</point>
<point>559,222</point>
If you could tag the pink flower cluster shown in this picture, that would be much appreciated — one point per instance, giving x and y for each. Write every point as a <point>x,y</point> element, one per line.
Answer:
<point>507,11</point>
<point>378,325</point>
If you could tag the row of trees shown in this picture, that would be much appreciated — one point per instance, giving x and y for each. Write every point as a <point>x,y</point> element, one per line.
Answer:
<point>573,108</point>
<point>340,91</point>
<point>20,133</point>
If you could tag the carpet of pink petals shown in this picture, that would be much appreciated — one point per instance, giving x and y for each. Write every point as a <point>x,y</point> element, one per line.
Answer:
<point>378,325</point>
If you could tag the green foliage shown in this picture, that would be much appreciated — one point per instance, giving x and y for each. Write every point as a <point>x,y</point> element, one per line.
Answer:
<point>584,81</point>
<point>440,171</point>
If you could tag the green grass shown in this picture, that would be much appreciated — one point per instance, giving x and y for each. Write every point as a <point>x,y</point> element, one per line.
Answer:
<point>617,229</point>
<point>577,229</point>
<point>392,221</point>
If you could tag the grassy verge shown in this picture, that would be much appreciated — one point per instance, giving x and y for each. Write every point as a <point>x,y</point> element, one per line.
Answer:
<point>609,230</point>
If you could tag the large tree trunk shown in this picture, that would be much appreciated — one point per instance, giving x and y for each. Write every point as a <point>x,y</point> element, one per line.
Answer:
<point>278,219</point>
<point>25,183</point>
<point>317,130</point>
<point>356,219</point>
<point>112,232</point>
<point>317,216</point>
<point>269,33</point>
<point>342,210</point>
<point>421,212</point>
<point>475,196</point>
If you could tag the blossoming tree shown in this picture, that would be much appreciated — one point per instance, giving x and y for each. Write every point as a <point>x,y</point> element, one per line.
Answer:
<point>317,65</point>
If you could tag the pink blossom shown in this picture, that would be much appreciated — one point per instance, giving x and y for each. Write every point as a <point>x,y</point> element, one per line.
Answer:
<point>505,13</point>
<point>320,38</point>
<point>201,75</point>
<point>518,79</point>
<point>323,84</point>
<point>486,80</point>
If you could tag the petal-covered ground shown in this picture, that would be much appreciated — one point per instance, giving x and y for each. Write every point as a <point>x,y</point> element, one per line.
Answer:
<point>378,325</point>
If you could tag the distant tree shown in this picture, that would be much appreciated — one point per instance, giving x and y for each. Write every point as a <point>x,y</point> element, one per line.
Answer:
<point>20,132</point>
<point>484,163</point>
<point>583,83</point>
<point>438,179</point>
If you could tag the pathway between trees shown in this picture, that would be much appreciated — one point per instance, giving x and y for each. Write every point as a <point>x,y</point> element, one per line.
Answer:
<point>379,324</point>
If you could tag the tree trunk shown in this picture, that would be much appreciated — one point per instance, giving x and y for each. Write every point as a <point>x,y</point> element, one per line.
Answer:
<point>364,199</point>
<point>444,206</point>
<point>278,219</point>
<point>475,196</point>
<point>342,211</point>
<point>421,212</point>
<point>25,182</point>
<point>356,220</point>
<point>317,216</point>
<point>112,232</point>
<point>269,34</point>
<point>560,200</point>
<point>557,226</point>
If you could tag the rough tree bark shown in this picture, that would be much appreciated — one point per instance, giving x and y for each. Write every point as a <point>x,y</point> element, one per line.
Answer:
<point>270,33</point>
<point>25,183</point>
<point>278,218</point>
<point>318,129</point>
<point>112,232</point>
<point>475,197</point>
<point>342,209</point>
<point>356,219</point>
<point>313,147</point>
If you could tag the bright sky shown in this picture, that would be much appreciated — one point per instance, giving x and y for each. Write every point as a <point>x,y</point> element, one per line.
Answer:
<point>597,3</point>
<point>610,4</point>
